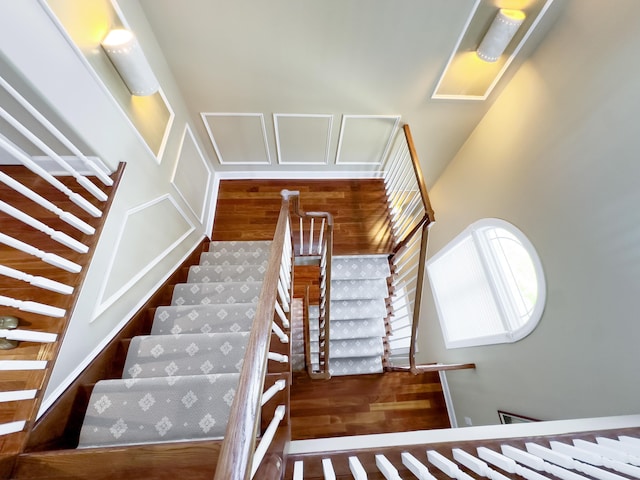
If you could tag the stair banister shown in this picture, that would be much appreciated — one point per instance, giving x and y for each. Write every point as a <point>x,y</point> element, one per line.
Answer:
<point>237,452</point>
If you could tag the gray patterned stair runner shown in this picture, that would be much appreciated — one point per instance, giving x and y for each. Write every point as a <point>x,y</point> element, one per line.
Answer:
<point>358,309</point>
<point>179,382</point>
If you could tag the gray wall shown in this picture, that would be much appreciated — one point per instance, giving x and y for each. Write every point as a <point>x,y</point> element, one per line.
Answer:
<point>558,156</point>
<point>164,219</point>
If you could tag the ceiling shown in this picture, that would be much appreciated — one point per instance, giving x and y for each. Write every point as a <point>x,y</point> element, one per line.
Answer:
<point>280,80</point>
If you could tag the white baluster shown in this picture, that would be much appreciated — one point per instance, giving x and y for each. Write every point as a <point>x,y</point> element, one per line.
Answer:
<point>38,170</point>
<point>33,307</point>
<point>566,461</point>
<point>298,470</point>
<point>310,249</point>
<point>55,132</point>
<point>277,357</point>
<point>447,466</point>
<point>321,235</point>
<point>50,258</point>
<point>23,364</point>
<point>56,235</point>
<point>66,217</point>
<point>386,468</point>
<point>627,439</point>
<point>327,469</point>
<point>82,180</point>
<point>17,395</point>
<point>278,386</point>
<point>40,282</point>
<point>357,470</point>
<point>579,455</point>
<point>301,237</point>
<point>279,333</point>
<point>282,315</point>
<point>267,438</point>
<point>607,452</point>
<point>477,466</point>
<point>537,463</point>
<point>416,467</point>
<point>508,464</point>
<point>12,427</point>
<point>283,296</point>
<point>28,336</point>
<point>629,449</point>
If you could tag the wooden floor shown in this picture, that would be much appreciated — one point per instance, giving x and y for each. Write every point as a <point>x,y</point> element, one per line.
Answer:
<point>353,405</point>
<point>366,404</point>
<point>248,209</point>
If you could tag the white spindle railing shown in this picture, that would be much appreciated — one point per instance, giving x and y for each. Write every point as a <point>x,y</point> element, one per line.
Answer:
<point>33,307</point>
<point>24,124</point>
<point>35,114</point>
<point>55,235</point>
<point>410,215</point>
<point>67,217</point>
<point>28,336</point>
<point>267,438</point>
<point>50,258</point>
<point>36,281</point>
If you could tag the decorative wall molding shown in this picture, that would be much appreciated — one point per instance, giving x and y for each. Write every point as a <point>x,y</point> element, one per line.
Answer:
<point>253,138</point>
<point>182,183</point>
<point>311,139</point>
<point>387,122</point>
<point>104,304</point>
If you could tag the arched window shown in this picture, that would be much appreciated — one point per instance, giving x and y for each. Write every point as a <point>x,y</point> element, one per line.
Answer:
<point>488,285</point>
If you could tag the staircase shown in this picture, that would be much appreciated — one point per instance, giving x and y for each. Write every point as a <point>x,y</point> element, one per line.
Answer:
<point>179,381</point>
<point>357,315</point>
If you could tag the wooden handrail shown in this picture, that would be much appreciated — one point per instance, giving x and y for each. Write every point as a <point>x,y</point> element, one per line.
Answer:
<point>418,298</point>
<point>418,171</point>
<point>433,367</point>
<point>238,446</point>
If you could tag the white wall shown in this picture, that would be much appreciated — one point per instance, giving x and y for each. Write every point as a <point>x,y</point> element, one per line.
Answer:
<point>165,222</point>
<point>557,155</point>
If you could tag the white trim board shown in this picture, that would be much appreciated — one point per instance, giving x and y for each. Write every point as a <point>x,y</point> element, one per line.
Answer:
<point>48,401</point>
<point>531,429</point>
<point>297,175</point>
<point>209,169</point>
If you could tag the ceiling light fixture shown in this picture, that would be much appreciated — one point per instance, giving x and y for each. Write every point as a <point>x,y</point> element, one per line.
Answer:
<point>127,57</point>
<point>500,33</point>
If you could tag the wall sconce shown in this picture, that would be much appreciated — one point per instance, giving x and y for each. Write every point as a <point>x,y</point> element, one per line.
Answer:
<point>500,33</point>
<point>127,57</point>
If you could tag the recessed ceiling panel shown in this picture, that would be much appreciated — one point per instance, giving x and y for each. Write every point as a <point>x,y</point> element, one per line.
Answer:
<point>365,139</point>
<point>192,175</point>
<point>238,138</point>
<point>302,139</point>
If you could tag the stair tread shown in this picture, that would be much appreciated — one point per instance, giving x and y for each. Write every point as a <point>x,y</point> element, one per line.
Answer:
<point>362,308</point>
<point>186,354</point>
<point>353,328</point>
<point>240,258</point>
<point>352,348</point>
<point>346,267</point>
<point>173,319</point>
<point>225,273</point>
<point>355,366</point>
<point>216,293</point>
<point>139,411</point>
<point>359,288</point>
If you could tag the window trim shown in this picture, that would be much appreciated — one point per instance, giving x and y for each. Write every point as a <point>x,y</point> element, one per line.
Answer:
<point>481,243</point>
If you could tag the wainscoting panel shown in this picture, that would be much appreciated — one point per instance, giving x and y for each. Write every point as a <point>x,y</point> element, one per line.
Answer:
<point>365,139</point>
<point>238,138</point>
<point>302,139</point>
<point>143,241</point>
<point>192,175</point>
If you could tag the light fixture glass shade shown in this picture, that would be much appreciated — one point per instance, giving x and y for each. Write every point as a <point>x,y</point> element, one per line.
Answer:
<point>500,33</point>
<point>125,53</point>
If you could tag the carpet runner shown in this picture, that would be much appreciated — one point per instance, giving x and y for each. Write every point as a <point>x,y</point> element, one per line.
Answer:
<point>358,312</point>
<point>179,382</point>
